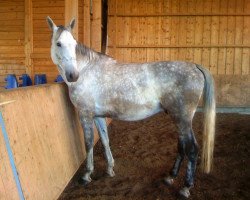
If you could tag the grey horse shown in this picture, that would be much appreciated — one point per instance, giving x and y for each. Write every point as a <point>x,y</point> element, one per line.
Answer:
<point>100,87</point>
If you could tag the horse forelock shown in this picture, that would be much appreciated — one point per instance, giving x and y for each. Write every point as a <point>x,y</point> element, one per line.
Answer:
<point>59,31</point>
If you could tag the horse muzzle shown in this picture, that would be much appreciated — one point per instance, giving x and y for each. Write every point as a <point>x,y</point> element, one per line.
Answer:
<point>72,76</point>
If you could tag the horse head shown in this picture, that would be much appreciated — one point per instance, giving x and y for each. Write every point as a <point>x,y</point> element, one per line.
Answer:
<point>63,49</point>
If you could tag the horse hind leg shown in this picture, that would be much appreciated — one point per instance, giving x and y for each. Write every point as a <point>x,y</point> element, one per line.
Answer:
<point>187,146</point>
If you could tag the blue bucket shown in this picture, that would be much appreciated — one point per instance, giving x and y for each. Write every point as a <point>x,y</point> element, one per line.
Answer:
<point>11,81</point>
<point>26,80</point>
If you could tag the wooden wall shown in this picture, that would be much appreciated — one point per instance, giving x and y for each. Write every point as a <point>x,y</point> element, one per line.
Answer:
<point>25,36</point>
<point>12,55</point>
<point>46,139</point>
<point>214,33</point>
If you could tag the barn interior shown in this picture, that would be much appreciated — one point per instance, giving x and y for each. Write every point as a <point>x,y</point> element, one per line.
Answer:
<point>213,33</point>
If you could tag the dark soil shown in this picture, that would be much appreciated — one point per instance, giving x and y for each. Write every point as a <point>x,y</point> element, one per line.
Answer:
<point>144,152</point>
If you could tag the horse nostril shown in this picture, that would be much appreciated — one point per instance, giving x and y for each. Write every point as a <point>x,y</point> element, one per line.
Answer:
<point>71,77</point>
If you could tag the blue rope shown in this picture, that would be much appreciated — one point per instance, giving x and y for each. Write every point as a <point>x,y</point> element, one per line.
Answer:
<point>10,154</point>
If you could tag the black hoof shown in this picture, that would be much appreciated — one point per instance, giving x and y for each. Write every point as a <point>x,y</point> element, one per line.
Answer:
<point>83,182</point>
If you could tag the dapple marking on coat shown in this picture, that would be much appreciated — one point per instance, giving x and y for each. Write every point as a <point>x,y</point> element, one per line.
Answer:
<point>100,87</point>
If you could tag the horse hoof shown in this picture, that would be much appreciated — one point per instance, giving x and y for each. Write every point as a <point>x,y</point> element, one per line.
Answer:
<point>184,192</point>
<point>83,181</point>
<point>168,181</point>
<point>111,173</point>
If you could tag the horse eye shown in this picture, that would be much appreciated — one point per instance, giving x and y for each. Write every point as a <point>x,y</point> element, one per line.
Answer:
<point>58,44</point>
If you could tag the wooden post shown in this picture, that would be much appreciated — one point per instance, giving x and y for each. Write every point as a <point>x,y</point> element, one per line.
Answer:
<point>71,11</point>
<point>28,37</point>
<point>86,22</point>
<point>96,25</point>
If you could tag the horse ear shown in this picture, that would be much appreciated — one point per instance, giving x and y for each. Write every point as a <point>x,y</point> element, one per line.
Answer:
<point>51,24</point>
<point>72,23</point>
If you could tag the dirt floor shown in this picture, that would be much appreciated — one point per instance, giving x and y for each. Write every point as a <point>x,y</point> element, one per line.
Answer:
<point>144,152</point>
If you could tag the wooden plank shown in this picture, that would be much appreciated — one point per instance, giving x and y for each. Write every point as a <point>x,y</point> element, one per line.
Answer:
<point>96,25</point>
<point>245,61</point>
<point>28,37</point>
<point>71,11</point>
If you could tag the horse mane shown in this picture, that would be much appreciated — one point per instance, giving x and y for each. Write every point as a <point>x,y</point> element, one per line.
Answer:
<point>90,54</point>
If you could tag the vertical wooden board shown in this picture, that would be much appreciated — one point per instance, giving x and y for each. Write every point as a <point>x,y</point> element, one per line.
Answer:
<point>238,61</point>
<point>190,29</point>
<point>197,55</point>
<point>183,6</point>
<point>174,33</point>
<point>230,61</point>
<point>128,31</point>
<point>224,6</point>
<point>158,31</point>
<point>206,57</point>
<point>239,6</point>
<point>135,31</point>
<point>86,23</point>
<point>206,38</point>
<point>143,31</point>
<point>231,26</point>
<point>198,30</point>
<point>150,7</point>
<point>111,31</point>
<point>128,7</point>
<point>166,29</point>
<point>223,30</point>
<point>119,54</point>
<point>150,54</point>
<point>127,55</point>
<point>246,6</point>
<point>166,54</point>
<point>231,7</point>
<point>222,61</point>
<point>158,7</point>
<point>182,40</point>
<point>245,61</point>
<point>158,54</point>
<point>150,31</point>
<point>96,26</point>
<point>189,54</point>
<point>143,55</point>
<point>199,7</point>
<point>246,30</point>
<point>166,7</point>
<point>134,55</point>
<point>175,6</point>
<point>214,60</point>
<point>215,6</point>
<point>182,54</point>
<point>111,7</point>
<point>120,8</point>
<point>142,7</point>
<point>239,30</point>
<point>215,30</point>
<point>174,52</point>
<point>207,6</point>
<point>120,36</point>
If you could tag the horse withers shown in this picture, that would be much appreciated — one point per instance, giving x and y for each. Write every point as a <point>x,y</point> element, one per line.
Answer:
<point>100,87</point>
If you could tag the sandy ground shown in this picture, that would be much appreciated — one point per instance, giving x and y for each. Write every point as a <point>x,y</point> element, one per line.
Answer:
<point>144,152</point>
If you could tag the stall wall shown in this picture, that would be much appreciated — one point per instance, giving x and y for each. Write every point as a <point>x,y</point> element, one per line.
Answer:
<point>46,139</point>
<point>214,33</point>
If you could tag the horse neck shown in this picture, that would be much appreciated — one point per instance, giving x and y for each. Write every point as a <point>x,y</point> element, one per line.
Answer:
<point>87,57</point>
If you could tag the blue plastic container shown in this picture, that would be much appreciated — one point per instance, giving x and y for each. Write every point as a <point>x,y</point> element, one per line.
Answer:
<point>11,81</point>
<point>26,80</point>
<point>59,79</point>
<point>40,79</point>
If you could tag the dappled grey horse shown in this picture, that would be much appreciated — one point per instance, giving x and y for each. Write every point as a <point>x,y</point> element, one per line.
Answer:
<point>100,87</point>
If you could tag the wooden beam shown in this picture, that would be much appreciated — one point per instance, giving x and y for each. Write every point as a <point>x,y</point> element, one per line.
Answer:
<point>86,22</point>
<point>96,25</point>
<point>71,11</point>
<point>28,37</point>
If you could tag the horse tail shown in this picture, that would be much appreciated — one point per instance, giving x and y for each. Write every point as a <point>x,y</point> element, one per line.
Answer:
<point>209,121</point>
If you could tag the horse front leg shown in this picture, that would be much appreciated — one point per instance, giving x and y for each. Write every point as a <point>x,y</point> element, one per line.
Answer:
<point>103,133</point>
<point>87,125</point>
